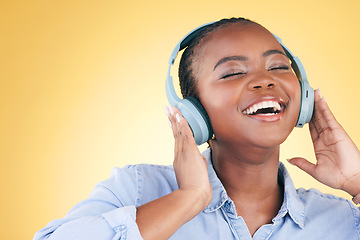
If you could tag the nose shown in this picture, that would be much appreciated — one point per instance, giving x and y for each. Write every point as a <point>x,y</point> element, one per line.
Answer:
<point>262,81</point>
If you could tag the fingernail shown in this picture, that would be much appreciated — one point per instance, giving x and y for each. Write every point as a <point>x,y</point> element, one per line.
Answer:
<point>166,109</point>
<point>177,117</point>
<point>169,123</point>
<point>288,160</point>
<point>171,110</point>
<point>319,92</point>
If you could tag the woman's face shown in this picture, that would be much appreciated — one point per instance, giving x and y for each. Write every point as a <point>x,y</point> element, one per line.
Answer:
<point>247,86</point>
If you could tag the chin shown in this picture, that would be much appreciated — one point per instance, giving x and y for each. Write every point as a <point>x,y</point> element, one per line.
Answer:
<point>269,138</point>
<point>270,142</point>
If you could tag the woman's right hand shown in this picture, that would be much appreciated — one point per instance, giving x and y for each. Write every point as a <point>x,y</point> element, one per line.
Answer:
<point>189,165</point>
<point>162,217</point>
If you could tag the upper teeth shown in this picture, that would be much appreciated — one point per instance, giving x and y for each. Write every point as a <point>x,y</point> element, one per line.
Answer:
<point>265,104</point>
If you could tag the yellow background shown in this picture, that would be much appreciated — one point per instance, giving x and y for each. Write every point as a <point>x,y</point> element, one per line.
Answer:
<point>82,89</point>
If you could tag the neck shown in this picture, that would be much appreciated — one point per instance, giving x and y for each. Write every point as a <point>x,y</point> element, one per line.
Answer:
<point>249,177</point>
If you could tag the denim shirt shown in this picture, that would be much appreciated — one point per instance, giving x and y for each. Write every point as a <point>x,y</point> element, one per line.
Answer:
<point>110,211</point>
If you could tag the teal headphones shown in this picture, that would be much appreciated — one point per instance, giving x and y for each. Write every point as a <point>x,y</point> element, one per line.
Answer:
<point>195,114</point>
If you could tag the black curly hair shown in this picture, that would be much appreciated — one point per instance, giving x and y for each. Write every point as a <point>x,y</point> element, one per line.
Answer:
<point>187,76</point>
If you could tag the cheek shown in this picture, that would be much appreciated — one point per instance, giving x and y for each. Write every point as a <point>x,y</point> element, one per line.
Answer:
<point>221,104</point>
<point>295,95</point>
<point>220,100</point>
<point>293,90</point>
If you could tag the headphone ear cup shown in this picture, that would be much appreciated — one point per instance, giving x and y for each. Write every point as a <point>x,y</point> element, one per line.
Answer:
<point>197,118</point>
<point>306,104</point>
<point>203,113</point>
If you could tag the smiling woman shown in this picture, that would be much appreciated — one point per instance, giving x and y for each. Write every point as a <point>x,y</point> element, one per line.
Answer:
<point>82,90</point>
<point>265,76</point>
<point>239,73</point>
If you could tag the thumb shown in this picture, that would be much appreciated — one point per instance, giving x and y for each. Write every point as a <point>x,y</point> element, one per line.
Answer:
<point>303,164</point>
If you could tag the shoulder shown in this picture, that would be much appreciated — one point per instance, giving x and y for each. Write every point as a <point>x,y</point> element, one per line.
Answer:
<point>314,196</point>
<point>138,173</point>
<point>317,201</point>
<point>138,184</point>
<point>339,213</point>
<point>329,208</point>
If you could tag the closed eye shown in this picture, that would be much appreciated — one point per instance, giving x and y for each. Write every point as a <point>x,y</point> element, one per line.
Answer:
<point>228,75</point>
<point>282,67</point>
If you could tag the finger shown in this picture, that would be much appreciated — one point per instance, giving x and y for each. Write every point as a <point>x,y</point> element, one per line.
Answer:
<point>178,134</point>
<point>328,116</point>
<point>170,112</point>
<point>182,126</point>
<point>304,165</point>
<point>318,118</point>
<point>323,118</point>
<point>172,120</point>
<point>167,112</point>
<point>181,130</point>
<point>313,132</point>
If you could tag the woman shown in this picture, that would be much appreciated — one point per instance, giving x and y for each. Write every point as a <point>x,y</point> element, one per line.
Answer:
<point>237,189</point>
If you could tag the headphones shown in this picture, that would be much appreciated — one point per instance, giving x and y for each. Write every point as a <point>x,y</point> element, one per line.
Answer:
<point>195,114</point>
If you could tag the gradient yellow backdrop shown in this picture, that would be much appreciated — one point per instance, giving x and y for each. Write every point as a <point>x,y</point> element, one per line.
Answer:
<point>82,89</point>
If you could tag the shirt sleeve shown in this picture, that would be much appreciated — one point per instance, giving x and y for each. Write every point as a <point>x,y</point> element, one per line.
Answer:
<point>356,213</point>
<point>108,214</point>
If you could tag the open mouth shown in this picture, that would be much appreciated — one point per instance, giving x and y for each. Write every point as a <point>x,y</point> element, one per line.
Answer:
<point>265,108</point>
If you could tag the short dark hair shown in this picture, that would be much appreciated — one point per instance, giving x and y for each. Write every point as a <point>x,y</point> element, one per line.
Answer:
<point>187,76</point>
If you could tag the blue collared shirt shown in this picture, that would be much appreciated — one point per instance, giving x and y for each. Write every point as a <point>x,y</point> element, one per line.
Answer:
<point>110,211</point>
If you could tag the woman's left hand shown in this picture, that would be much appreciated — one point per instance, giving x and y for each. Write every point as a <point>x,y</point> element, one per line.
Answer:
<point>338,158</point>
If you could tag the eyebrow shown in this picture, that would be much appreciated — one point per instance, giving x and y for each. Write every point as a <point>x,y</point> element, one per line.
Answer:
<point>244,58</point>
<point>231,58</point>
<point>273,51</point>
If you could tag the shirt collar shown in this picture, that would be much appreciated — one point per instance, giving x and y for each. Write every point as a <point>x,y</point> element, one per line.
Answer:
<point>292,203</point>
<point>219,193</point>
